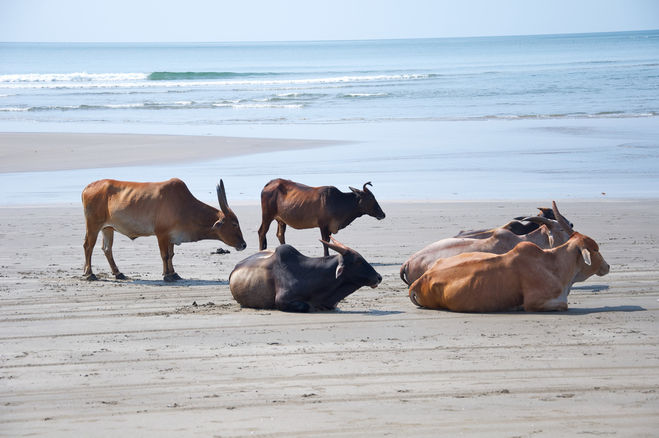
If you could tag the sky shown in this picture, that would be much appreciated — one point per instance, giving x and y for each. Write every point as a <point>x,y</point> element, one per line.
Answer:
<point>296,20</point>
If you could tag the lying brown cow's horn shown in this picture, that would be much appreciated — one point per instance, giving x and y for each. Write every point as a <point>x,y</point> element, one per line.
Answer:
<point>539,220</point>
<point>367,184</point>
<point>565,224</point>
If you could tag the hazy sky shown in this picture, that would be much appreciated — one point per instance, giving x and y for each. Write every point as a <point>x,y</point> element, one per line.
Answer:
<point>286,20</point>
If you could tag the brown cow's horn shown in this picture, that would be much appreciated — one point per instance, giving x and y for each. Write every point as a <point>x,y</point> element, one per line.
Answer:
<point>565,224</point>
<point>367,184</point>
<point>222,197</point>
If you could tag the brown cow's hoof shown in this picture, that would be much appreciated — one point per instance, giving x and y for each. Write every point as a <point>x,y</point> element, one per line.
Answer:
<point>120,276</point>
<point>90,277</point>
<point>170,278</point>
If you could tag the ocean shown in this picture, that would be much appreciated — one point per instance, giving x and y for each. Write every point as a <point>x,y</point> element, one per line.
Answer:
<point>408,103</point>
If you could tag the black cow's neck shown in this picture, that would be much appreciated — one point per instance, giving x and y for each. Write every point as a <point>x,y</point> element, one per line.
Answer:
<point>351,209</point>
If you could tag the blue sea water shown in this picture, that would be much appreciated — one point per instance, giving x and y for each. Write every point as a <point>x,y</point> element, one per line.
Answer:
<point>209,84</point>
<point>524,117</point>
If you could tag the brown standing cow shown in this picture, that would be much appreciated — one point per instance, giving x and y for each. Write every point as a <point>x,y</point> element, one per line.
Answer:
<point>165,209</point>
<point>301,207</point>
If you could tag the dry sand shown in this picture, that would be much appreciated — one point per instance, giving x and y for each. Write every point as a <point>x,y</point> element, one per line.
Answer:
<point>137,357</point>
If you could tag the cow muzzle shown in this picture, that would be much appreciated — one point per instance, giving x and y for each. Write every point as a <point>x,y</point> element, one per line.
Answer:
<point>377,283</point>
<point>241,247</point>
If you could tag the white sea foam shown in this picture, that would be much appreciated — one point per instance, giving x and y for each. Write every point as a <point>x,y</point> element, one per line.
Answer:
<point>139,80</point>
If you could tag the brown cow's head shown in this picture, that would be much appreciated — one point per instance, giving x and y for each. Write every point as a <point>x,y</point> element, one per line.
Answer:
<point>353,268</point>
<point>589,261</point>
<point>367,203</point>
<point>227,228</point>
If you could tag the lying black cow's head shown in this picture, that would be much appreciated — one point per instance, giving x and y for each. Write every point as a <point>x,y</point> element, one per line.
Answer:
<point>352,267</point>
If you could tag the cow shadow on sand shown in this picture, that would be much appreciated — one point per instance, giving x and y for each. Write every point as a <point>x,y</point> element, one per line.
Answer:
<point>369,312</point>
<point>192,282</point>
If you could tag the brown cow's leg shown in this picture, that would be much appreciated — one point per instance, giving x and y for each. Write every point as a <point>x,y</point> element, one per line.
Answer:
<point>90,240</point>
<point>171,263</point>
<point>263,230</point>
<point>281,230</point>
<point>325,235</point>
<point>165,245</point>
<point>108,239</point>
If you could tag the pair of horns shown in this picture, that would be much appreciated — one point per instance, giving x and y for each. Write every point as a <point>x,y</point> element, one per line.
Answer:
<point>335,245</point>
<point>222,197</point>
<point>364,189</point>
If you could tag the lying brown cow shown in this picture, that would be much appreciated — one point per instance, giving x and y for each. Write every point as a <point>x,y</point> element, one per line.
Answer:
<point>165,209</point>
<point>549,234</point>
<point>526,276</point>
<point>301,206</point>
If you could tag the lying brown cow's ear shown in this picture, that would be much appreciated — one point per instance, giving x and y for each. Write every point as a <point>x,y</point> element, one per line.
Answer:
<point>586,256</point>
<point>218,223</point>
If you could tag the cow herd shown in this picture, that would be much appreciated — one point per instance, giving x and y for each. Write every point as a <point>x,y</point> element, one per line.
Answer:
<point>529,263</point>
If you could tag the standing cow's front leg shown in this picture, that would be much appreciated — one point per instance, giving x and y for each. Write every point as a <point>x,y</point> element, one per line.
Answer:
<point>281,231</point>
<point>325,235</point>
<point>167,253</point>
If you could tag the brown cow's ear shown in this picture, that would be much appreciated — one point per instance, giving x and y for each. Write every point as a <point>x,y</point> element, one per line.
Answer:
<point>586,256</point>
<point>218,223</point>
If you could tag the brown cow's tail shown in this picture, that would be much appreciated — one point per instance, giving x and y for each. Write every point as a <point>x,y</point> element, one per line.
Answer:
<point>403,273</point>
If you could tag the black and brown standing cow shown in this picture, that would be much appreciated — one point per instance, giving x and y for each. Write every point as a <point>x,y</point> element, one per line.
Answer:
<point>301,207</point>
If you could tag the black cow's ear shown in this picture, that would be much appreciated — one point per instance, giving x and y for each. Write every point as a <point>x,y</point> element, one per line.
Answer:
<point>218,224</point>
<point>339,270</point>
<point>355,190</point>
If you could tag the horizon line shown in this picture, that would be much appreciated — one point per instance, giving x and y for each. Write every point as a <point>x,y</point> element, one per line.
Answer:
<point>330,40</point>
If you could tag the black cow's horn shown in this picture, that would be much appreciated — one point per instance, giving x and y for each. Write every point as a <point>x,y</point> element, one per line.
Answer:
<point>367,184</point>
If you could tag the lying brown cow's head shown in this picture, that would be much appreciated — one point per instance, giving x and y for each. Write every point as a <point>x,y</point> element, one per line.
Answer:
<point>353,268</point>
<point>227,228</point>
<point>367,203</point>
<point>558,230</point>
<point>590,261</point>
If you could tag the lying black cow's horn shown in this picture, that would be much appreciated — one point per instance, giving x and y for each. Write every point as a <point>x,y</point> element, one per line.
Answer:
<point>367,184</point>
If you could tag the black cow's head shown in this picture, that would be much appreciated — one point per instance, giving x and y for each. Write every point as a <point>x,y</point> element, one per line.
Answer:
<point>367,202</point>
<point>352,268</point>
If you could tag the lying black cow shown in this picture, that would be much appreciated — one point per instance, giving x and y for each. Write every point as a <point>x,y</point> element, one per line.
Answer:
<point>286,280</point>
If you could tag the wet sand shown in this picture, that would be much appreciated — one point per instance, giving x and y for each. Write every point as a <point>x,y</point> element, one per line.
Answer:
<point>147,358</point>
<point>34,152</point>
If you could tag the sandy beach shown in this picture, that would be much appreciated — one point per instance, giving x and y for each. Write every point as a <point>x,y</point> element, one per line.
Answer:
<point>153,359</point>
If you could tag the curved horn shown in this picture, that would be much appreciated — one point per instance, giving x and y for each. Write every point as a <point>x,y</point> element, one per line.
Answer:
<point>340,248</point>
<point>565,224</point>
<point>539,220</point>
<point>222,197</point>
<point>367,184</point>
